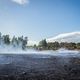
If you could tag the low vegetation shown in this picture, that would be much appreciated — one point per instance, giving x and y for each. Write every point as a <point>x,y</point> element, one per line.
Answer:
<point>43,45</point>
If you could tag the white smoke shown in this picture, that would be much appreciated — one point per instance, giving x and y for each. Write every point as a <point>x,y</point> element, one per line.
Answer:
<point>66,37</point>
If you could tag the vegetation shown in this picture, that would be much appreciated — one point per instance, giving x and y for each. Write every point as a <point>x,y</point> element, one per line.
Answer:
<point>43,45</point>
<point>6,39</point>
<point>15,41</point>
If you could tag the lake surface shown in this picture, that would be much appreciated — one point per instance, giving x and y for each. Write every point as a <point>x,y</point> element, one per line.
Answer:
<point>62,66</point>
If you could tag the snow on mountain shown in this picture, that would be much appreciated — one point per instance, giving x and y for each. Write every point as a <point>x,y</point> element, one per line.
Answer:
<point>66,37</point>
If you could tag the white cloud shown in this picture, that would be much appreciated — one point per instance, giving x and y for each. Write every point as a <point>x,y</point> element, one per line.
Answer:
<point>21,2</point>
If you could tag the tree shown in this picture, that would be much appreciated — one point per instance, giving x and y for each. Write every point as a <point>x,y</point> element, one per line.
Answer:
<point>6,39</point>
<point>43,44</point>
<point>24,43</point>
<point>20,40</point>
<point>14,41</point>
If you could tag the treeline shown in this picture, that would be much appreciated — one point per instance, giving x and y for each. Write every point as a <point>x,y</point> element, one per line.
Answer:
<point>14,41</point>
<point>43,45</point>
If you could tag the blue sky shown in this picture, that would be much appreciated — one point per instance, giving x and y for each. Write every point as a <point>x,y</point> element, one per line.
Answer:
<point>39,19</point>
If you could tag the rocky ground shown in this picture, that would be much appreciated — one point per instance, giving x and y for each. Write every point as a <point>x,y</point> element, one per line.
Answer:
<point>30,67</point>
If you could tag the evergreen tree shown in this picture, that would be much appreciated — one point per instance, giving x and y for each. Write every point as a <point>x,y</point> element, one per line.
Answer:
<point>14,41</point>
<point>43,44</point>
<point>6,39</point>
<point>20,40</point>
<point>24,43</point>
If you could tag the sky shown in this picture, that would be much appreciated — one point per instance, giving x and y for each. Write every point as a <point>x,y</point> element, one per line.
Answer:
<point>39,19</point>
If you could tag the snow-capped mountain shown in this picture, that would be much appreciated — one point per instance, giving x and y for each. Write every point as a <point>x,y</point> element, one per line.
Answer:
<point>66,37</point>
